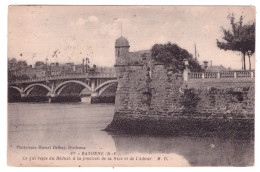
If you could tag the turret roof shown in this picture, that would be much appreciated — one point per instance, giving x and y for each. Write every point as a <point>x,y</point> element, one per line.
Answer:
<point>122,42</point>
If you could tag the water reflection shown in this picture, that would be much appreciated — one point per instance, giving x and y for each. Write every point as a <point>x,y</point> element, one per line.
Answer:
<point>197,151</point>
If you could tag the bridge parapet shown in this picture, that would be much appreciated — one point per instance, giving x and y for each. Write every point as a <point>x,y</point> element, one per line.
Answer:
<point>221,75</point>
<point>67,76</point>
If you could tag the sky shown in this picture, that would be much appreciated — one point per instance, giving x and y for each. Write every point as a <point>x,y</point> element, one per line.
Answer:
<point>71,33</point>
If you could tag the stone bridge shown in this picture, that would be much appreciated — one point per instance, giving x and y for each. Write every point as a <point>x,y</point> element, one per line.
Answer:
<point>95,83</point>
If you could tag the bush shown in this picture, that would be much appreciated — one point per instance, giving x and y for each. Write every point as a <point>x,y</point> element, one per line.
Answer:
<point>171,55</point>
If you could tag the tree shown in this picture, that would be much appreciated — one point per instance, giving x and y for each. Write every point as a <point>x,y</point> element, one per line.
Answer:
<point>21,64</point>
<point>241,38</point>
<point>39,63</point>
<point>16,70</point>
<point>172,56</point>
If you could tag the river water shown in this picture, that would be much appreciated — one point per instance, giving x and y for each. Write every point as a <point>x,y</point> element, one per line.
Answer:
<point>82,124</point>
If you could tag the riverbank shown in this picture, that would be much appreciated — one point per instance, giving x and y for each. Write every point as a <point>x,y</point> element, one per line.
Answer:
<point>60,99</point>
<point>110,99</point>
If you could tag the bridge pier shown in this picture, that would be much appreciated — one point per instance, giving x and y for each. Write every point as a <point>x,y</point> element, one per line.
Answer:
<point>23,95</point>
<point>50,96</point>
<point>94,94</point>
<point>93,85</point>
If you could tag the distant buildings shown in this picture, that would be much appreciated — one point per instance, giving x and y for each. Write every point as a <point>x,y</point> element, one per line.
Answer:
<point>211,68</point>
<point>20,70</point>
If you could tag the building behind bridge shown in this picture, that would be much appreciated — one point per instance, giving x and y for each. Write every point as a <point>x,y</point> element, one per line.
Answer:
<point>40,69</point>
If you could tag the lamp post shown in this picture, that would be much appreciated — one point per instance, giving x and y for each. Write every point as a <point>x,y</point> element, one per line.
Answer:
<point>46,66</point>
<point>83,66</point>
<point>87,61</point>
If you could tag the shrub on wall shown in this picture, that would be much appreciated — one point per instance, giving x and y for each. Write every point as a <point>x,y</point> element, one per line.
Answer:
<point>171,55</point>
<point>189,100</point>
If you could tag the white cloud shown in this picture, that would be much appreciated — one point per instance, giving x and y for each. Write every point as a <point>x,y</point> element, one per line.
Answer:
<point>93,19</point>
<point>80,22</point>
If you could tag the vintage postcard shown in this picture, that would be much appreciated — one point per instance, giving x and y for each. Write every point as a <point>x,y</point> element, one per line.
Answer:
<point>131,86</point>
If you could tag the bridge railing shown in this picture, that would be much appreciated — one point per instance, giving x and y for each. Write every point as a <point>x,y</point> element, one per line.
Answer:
<point>219,75</point>
<point>66,76</point>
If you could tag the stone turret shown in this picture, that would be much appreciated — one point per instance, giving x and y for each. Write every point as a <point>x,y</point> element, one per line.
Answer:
<point>122,57</point>
<point>121,51</point>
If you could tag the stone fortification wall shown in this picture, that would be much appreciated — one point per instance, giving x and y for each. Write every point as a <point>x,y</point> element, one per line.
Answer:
<point>130,97</point>
<point>163,94</point>
<point>151,98</point>
<point>231,98</point>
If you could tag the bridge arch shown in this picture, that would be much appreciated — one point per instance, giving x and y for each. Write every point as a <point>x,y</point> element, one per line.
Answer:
<point>17,88</point>
<point>105,88</point>
<point>28,89</point>
<point>62,85</point>
<point>105,84</point>
<point>61,88</point>
<point>14,94</point>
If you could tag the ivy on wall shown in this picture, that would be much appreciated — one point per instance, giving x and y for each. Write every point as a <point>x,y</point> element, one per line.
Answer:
<point>189,100</point>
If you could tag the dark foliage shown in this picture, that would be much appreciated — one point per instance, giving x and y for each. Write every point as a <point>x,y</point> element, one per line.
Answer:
<point>171,55</point>
<point>16,70</point>
<point>190,100</point>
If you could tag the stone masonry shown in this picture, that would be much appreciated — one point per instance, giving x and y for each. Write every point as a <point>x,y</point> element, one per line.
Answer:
<point>150,96</point>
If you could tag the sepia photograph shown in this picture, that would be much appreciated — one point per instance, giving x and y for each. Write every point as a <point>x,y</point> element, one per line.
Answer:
<point>131,86</point>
